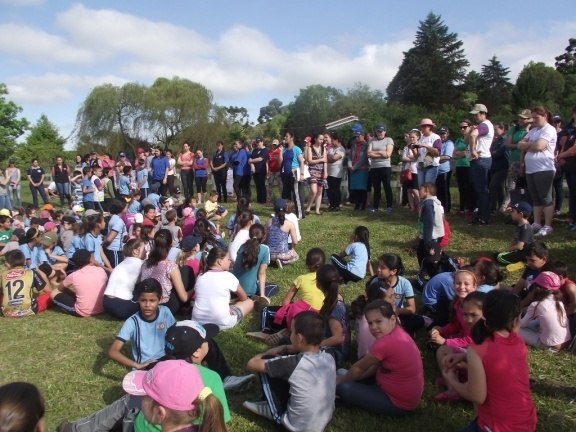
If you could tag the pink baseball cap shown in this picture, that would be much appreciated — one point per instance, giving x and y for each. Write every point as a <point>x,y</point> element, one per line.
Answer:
<point>174,384</point>
<point>547,280</point>
<point>49,225</point>
<point>187,212</point>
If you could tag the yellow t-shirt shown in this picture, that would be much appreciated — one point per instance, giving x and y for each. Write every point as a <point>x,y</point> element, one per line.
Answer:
<point>308,291</point>
<point>18,292</point>
<point>210,206</point>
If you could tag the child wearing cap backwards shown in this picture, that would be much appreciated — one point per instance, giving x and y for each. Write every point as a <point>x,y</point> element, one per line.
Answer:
<point>298,389</point>
<point>145,330</point>
<point>24,292</point>
<point>523,235</point>
<point>82,291</point>
<point>545,324</point>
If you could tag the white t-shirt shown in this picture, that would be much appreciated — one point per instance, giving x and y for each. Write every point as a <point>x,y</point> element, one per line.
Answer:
<point>239,239</point>
<point>542,160</point>
<point>428,141</point>
<point>123,278</point>
<point>212,303</point>
<point>294,219</point>
<point>412,166</point>
<point>485,141</point>
<point>336,168</point>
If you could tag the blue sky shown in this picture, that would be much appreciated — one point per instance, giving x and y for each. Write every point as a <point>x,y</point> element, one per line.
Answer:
<point>52,53</point>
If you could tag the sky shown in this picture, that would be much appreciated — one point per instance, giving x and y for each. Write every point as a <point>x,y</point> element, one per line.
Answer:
<point>53,52</point>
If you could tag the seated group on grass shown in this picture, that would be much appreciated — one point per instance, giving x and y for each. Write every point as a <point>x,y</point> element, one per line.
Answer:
<point>473,322</point>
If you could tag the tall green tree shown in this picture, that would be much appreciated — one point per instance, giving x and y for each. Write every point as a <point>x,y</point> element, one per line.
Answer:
<point>12,126</point>
<point>566,62</point>
<point>43,143</point>
<point>432,70</point>
<point>495,89</point>
<point>273,108</point>
<point>538,84</point>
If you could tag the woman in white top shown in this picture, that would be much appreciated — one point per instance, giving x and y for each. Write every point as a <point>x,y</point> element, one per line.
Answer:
<point>171,171</point>
<point>118,295</point>
<point>213,293</point>
<point>538,149</point>
<point>244,221</point>
<point>409,163</point>
<point>429,146</point>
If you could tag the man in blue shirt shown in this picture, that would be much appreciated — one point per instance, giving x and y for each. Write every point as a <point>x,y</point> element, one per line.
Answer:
<point>159,166</point>
<point>238,160</point>
<point>292,163</point>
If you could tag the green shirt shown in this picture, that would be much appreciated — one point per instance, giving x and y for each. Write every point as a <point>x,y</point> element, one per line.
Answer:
<point>212,380</point>
<point>517,133</point>
<point>460,145</point>
<point>5,236</point>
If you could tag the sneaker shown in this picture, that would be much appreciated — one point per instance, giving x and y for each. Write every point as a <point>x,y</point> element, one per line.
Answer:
<point>259,408</point>
<point>279,263</point>
<point>536,227</point>
<point>261,336</point>
<point>260,303</point>
<point>544,231</point>
<point>237,383</point>
<point>389,210</point>
<point>374,210</point>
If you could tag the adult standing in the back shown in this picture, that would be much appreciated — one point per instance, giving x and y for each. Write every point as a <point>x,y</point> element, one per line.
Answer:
<point>159,166</point>
<point>335,154</point>
<point>461,152</point>
<point>481,161</point>
<point>315,156</point>
<point>429,146</point>
<point>238,161</point>
<point>444,169</point>
<point>200,175</point>
<point>292,163</point>
<point>36,179</point>
<point>61,176</point>
<point>380,151</point>
<point>186,163</point>
<point>219,168</point>
<point>274,165</point>
<point>14,178</point>
<point>258,160</point>
<point>538,147</point>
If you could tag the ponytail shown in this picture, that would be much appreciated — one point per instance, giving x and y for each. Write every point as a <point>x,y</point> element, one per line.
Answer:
<point>252,246</point>
<point>281,215</point>
<point>212,414</point>
<point>501,311</point>
<point>327,279</point>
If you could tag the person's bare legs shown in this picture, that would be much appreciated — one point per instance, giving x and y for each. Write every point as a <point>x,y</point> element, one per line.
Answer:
<point>319,191</point>
<point>246,306</point>
<point>312,196</point>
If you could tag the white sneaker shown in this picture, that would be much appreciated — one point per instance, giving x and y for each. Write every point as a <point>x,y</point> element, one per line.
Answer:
<point>536,227</point>
<point>259,408</point>
<point>544,231</point>
<point>237,383</point>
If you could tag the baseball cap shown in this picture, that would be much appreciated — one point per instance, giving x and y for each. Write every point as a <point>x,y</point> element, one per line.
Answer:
<point>189,242</point>
<point>279,204</point>
<point>380,128</point>
<point>5,212</point>
<point>78,208</point>
<point>556,118</point>
<point>187,212</point>
<point>275,142</point>
<point>174,384</point>
<point>49,238</point>
<point>479,108</point>
<point>69,219</point>
<point>547,280</point>
<point>185,337</point>
<point>138,218</point>
<point>49,225</point>
<point>48,207</point>
<point>357,129</point>
<point>522,207</point>
<point>259,138</point>
<point>122,154</point>
<point>91,212</point>
<point>442,130</point>
<point>525,114</point>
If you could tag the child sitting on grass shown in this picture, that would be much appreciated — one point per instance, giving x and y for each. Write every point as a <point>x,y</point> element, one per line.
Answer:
<point>145,330</point>
<point>299,389</point>
<point>358,252</point>
<point>24,292</point>
<point>81,293</point>
<point>214,211</point>
<point>537,256</point>
<point>523,236</point>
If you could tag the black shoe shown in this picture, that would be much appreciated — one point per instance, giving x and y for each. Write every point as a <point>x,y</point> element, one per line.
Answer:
<point>478,222</point>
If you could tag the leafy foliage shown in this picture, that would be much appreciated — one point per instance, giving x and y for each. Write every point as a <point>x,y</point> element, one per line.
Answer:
<point>431,71</point>
<point>11,125</point>
<point>44,143</point>
<point>495,89</point>
<point>566,62</point>
<point>538,84</point>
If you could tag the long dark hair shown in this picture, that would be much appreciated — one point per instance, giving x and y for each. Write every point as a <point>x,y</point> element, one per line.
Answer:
<point>203,229</point>
<point>327,280</point>
<point>214,255</point>
<point>315,258</point>
<point>392,261</point>
<point>362,235</point>
<point>21,407</point>
<point>375,290</point>
<point>501,311</point>
<point>161,247</point>
<point>252,246</point>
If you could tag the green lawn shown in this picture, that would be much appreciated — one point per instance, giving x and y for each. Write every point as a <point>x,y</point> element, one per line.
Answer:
<point>66,358</point>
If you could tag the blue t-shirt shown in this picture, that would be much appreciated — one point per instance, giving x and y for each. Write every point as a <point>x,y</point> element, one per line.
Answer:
<point>201,167</point>
<point>441,285</point>
<point>30,253</point>
<point>147,337</point>
<point>87,196</point>
<point>43,257</point>
<point>116,224</point>
<point>402,291</point>
<point>77,243</point>
<point>124,185</point>
<point>153,199</point>
<point>447,150</point>
<point>239,159</point>
<point>358,258</point>
<point>297,151</point>
<point>248,278</point>
<point>93,244</point>
<point>159,165</point>
<point>134,207</point>
<point>142,178</point>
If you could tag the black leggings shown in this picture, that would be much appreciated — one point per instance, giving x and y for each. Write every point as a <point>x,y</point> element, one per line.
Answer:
<point>333,192</point>
<point>220,184</point>
<point>381,176</point>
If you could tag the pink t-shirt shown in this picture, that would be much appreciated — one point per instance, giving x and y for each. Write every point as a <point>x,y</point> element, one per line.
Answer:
<point>194,264</point>
<point>401,373</point>
<point>508,406</point>
<point>160,272</point>
<point>365,338</point>
<point>89,284</point>
<point>457,332</point>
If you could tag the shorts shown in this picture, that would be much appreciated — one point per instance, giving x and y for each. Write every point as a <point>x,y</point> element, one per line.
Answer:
<point>540,188</point>
<point>236,311</point>
<point>412,184</point>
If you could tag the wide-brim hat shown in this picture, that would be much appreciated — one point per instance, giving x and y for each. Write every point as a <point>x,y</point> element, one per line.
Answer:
<point>427,122</point>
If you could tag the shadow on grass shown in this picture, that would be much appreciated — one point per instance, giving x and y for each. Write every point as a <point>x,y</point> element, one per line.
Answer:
<point>554,390</point>
<point>112,394</point>
<point>102,359</point>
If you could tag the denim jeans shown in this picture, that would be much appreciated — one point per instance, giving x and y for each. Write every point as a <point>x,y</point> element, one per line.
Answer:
<point>63,192</point>
<point>369,397</point>
<point>14,194</point>
<point>5,202</point>
<point>427,175</point>
<point>35,190</point>
<point>479,170</point>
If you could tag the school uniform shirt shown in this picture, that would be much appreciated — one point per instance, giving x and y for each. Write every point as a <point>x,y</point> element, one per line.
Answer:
<point>401,373</point>
<point>35,173</point>
<point>142,178</point>
<point>116,224</point>
<point>248,278</point>
<point>87,196</point>
<point>147,337</point>
<point>124,185</point>
<point>93,244</point>
<point>312,389</point>
<point>308,291</point>
<point>358,258</point>
<point>441,285</point>
<point>30,255</point>
<point>123,278</point>
<point>19,288</point>
<point>212,302</point>
<point>43,256</point>
<point>89,283</point>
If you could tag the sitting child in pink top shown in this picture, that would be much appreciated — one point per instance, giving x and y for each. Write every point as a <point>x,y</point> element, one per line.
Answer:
<point>81,293</point>
<point>545,324</point>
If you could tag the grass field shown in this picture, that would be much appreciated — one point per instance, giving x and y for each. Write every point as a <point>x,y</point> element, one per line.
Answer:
<point>65,356</point>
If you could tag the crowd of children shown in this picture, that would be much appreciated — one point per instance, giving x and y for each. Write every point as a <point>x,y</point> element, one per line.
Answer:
<point>146,260</point>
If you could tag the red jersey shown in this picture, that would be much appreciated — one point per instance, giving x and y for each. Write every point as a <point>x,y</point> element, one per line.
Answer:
<point>274,159</point>
<point>508,406</point>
